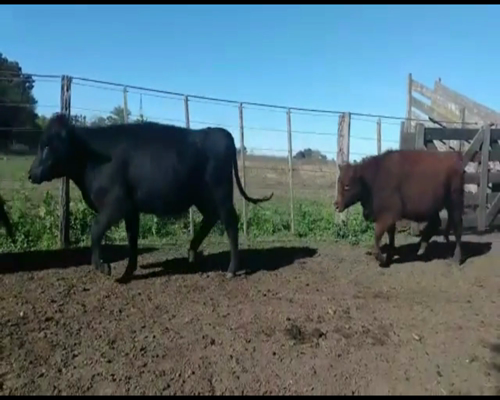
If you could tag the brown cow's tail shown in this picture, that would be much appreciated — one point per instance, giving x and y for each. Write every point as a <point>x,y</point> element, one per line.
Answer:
<point>240,186</point>
<point>5,220</point>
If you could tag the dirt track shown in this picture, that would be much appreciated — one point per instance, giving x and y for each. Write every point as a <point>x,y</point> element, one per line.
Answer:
<point>314,320</point>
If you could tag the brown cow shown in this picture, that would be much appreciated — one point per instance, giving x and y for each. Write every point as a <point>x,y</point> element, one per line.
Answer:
<point>406,184</point>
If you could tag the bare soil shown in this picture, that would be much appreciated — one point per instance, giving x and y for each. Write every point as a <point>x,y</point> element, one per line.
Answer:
<point>306,319</point>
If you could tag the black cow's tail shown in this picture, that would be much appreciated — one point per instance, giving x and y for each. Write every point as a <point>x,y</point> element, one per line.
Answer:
<point>5,220</point>
<point>240,186</point>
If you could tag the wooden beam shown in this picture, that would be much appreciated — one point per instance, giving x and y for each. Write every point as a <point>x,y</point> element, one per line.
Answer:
<point>483,113</point>
<point>494,208</point>
<point>473,178</point>
<point>429,111</point>
<point>483,186</point>
<point>456,134</point>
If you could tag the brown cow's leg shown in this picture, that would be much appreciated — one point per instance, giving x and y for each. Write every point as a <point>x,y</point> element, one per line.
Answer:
<point>381,227</point>
<point>428,232</point>
<point>456,217</point>
<point>391,232</point>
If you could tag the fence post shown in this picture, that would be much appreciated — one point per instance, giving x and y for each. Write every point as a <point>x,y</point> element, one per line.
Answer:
<point>483,183</point>
<point>290,167</point>
<point>64,218</point>
<point>379,136</point>
<point>409,102</point>
<point>188,125</point>
<point>125,105</point>
<point>343,134</point>
<point>242,162</point>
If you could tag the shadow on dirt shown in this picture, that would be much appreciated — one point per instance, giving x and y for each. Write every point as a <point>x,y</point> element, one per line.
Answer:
<point>251,260</point>
<point>406,253</point>
<point>40,260</point>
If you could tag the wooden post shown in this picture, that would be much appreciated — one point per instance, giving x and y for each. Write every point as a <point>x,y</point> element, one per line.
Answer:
<point>483,183</point>
<point>409,104</point>
<point>379,136</point>
<point>343,133</point>
<point>64,219</point>
<point>242,167</point>
<point>125,105</point>
<point>462,125</point>
<point>420,137</point>
<point>188,125</point>
<point>290,167</point>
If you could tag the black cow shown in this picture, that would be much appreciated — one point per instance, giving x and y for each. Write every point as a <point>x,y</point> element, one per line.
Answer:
<point>126,169</point>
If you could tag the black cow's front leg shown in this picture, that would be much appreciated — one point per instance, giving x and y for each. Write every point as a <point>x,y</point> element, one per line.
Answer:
<point>132,228</point>
<point>106,218</point>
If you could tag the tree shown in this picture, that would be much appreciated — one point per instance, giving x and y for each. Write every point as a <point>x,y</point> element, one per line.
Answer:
<point>17,103</point>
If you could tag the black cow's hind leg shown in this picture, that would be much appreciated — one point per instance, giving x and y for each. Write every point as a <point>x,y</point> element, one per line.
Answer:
<point>102,223</point>
<point>207,223</point>
<point>229,218</point>
<point>132,227</point>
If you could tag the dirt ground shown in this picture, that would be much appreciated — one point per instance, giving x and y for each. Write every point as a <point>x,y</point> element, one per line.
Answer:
<point>306,319</point>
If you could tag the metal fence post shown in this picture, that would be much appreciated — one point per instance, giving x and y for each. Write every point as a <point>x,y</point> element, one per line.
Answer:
<point>64,199</point>
<point>290,167</point>
<point>242,162</point>
<point>188,125</point>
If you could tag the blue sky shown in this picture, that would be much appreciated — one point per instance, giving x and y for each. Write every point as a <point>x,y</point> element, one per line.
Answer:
<point>346,58</point>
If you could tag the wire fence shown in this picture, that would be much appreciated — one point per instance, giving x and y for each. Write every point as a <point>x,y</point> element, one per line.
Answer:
<point>291,151</point>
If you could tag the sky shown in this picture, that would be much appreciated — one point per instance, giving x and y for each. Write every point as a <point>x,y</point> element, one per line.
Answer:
<point>337,58</point>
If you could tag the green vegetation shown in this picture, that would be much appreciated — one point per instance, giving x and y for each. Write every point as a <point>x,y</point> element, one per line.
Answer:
<point>36,224</point>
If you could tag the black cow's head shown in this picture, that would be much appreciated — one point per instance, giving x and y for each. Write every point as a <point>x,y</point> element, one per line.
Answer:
<point>349,187</point>
<point>54,155</point>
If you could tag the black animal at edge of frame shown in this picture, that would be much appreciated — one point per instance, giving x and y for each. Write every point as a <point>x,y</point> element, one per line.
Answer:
<point>124,170</point>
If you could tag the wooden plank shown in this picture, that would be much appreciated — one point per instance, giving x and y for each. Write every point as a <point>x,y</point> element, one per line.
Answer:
<point>474,108</point>
<point>432,133</point>
<point>494,208</point>
<point>421,89</point>
<point>420,137</point>
<point>474,146</point>
<point>429,111</point>
<point>473,178</point>
<point>469,221</point>
<point>483,186</point>
<point>472,199</point>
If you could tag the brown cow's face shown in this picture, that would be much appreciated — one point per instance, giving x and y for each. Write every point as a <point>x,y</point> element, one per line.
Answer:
<point>349,187</point>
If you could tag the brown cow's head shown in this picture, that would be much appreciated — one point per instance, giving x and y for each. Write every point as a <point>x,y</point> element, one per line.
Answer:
<point>349,187</point>
<point>54,151</point>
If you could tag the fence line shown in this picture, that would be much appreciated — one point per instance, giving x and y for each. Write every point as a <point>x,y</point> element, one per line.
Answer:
<point>344,140</point>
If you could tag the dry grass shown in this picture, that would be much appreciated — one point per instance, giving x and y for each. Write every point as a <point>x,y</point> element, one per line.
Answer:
<point>312,179</point>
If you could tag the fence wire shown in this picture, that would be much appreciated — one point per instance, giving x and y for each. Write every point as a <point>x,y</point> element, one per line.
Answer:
<point>294,156</point>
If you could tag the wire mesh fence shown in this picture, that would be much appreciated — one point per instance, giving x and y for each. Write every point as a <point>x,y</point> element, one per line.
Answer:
<point>290,151</point>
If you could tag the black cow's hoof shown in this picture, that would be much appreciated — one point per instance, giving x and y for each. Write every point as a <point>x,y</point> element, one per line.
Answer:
<point>230,275</point>
<point>124,279</point>
<point>106,269</point>
<point>191,256</point>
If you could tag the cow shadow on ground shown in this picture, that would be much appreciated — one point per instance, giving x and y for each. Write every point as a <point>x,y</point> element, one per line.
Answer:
<point>251,261</point>
<point>39,260</point>
<point>407,253</point>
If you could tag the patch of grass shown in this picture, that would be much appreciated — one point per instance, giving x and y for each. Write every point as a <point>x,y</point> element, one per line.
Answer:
<point>36,223</point>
